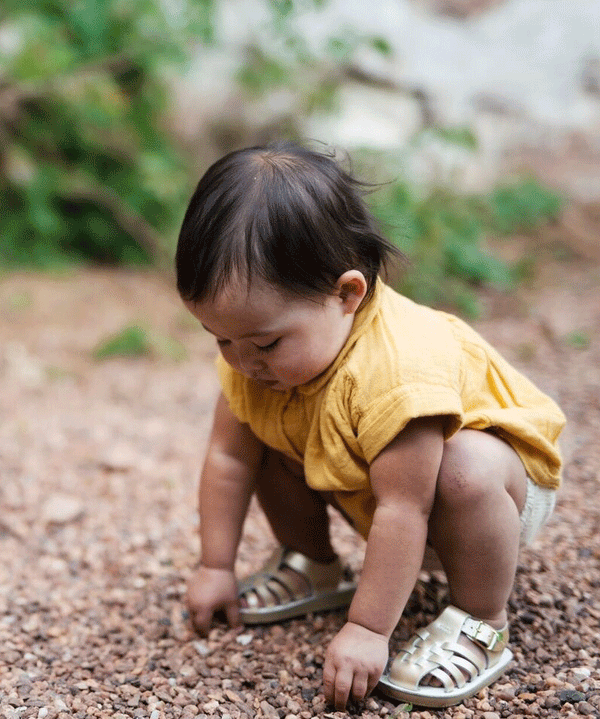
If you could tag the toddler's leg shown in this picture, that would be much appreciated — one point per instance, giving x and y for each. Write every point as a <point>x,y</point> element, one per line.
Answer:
<point>475,526</point>
<point>297,514</point>
<point>304,574</point>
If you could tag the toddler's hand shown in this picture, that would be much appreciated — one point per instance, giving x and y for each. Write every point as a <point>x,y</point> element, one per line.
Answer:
<point>210,590</point>
<point>354,661</point>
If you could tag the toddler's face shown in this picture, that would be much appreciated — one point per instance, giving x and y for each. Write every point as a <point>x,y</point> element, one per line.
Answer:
<point>276,340</point>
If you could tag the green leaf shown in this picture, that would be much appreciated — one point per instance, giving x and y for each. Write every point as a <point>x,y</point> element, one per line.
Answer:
<point>136,341</point>
<point>382,46</point>
<point>129,342</point>
<point>580,339</point>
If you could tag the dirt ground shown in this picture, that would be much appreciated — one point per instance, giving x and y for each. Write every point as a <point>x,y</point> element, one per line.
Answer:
<point>99,463</point>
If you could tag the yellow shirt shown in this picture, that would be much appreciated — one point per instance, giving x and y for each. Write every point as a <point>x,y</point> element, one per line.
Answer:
<point>401,361</point>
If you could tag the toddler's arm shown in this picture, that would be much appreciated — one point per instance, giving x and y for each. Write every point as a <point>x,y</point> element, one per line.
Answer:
<point>403,479</point>
<point>226,485</point>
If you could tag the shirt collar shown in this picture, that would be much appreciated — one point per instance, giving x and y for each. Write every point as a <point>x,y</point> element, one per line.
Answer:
<point>362,321</point>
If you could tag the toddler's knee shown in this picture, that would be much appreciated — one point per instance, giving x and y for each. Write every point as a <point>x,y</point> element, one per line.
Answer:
<point>466,474</point>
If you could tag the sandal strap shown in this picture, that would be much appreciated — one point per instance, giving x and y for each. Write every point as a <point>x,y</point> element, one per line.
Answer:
<point>271,586</point>
<point>435,651</point>
<point>317,574</point>
<point>494,640</point>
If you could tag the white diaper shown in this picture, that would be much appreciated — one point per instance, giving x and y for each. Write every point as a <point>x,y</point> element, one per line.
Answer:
<point>539,505</point>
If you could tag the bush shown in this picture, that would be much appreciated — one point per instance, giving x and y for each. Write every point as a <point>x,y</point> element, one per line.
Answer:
<point>444,235</point>
<point>86,170</point>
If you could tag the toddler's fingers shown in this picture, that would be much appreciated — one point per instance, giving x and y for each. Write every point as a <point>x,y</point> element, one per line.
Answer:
<point>373,679</point>
<point>360,687</point>
<point>232,612</point>
<point>343,685</point>
<point>201,619</point>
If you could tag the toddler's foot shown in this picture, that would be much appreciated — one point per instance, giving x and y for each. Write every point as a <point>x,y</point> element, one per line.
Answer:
<point>290,585</point>
<point>449,660</point>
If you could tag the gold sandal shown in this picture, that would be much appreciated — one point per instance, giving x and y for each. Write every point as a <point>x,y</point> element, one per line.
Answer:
<point>272,595</point>
<point>436,652</point>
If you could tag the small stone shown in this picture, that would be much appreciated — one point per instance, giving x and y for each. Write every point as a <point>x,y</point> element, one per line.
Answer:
<point>586,708</point>
<point>580,674</point>
<point>571,695</point>
<point>505,692</point>
<point>574,641</point>
<point>269,710</point>
<point>244,639</point>
<point>527,697</point>
<point>552,702</point>
<point>61,509</point>
<point>490,715</point>
<point>211,706</point>
<point>201,647</point>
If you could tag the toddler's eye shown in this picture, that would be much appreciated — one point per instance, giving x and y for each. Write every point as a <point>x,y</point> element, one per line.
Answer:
<point>269,347</point>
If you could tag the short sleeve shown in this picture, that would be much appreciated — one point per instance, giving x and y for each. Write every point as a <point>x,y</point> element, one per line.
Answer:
<point>232,386</point>
<point>387,415</point>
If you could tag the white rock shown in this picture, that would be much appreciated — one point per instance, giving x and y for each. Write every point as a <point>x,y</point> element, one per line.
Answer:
<point>201,647</point>
<point>61,508</point>
<point>581,673</point>
<point>244,639</point>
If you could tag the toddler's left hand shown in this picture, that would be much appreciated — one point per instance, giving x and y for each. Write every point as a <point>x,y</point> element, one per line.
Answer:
<point>354,662</point>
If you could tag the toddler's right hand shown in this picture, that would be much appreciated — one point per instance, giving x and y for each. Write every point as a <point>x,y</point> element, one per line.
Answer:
<point>210,590</point>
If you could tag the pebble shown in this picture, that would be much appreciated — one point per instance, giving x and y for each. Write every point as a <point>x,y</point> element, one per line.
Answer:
<point>572,696</point>
<point>202,648</point>
<point>61,509</point>
<point>244,639</point>
<point>587,709</point>
<point>581,673</point>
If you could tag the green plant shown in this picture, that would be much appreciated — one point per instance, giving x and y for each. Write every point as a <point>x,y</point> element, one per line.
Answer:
<point>137,341</point>
<point>522,207</point>
<point>87,171</point>
<point>579,339</point>
<point>283,57</point>
<point>443,233</point>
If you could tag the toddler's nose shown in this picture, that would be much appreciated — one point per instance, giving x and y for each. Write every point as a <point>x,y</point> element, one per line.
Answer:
<point>249,363</point>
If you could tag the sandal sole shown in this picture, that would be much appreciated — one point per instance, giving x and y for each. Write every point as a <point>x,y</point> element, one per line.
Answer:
<point>434,697</point>
<point>320,602</point>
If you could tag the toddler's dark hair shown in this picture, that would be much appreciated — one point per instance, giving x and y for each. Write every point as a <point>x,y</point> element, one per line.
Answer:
<point>288,215</point>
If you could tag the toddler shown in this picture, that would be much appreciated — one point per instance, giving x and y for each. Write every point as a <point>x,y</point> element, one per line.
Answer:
<point>338,390</point>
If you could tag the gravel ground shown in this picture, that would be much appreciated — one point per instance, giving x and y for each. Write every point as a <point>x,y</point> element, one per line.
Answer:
<point>98,462</point>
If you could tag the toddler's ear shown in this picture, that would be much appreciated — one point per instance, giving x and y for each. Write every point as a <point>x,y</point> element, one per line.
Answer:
<point>351,287</point>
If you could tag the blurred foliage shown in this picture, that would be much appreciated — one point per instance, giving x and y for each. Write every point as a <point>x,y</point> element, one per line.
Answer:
<point>284,57</point>
<point>444,233</point>
<point>87,172</point>
<point>137,341</point>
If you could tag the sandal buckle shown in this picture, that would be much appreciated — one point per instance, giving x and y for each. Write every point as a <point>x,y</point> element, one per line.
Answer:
<point>483,634</point>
